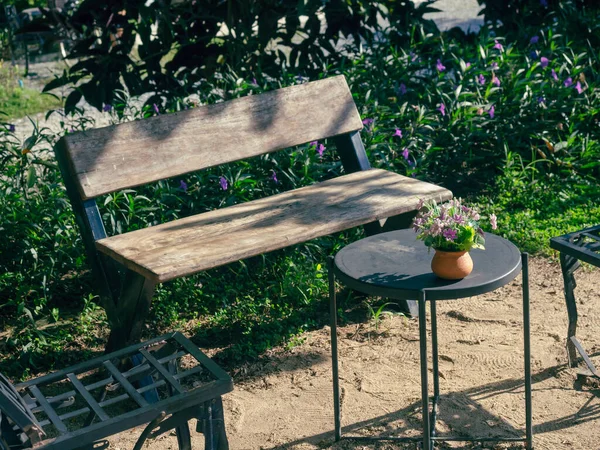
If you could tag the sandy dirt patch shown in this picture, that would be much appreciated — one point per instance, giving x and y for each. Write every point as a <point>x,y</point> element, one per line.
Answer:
<point>285,400</point>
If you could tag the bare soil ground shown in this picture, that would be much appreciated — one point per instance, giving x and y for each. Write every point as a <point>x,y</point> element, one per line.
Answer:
<point>285,400</point>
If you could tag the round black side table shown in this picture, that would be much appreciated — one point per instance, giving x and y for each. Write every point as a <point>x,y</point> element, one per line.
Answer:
<point>395,265</point>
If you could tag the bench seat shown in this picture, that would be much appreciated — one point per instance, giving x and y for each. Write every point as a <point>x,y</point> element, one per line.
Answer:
<point>204,241</point>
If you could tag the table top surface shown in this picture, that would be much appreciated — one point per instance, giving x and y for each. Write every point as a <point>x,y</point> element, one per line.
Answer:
<point>396,265</point>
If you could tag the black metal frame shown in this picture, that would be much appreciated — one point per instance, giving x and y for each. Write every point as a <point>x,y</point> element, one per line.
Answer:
<point>160,359</point>
<point>429,419</point>
<point>583,245</point>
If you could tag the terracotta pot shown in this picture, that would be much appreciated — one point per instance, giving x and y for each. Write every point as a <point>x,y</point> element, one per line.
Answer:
<point>451,265</point>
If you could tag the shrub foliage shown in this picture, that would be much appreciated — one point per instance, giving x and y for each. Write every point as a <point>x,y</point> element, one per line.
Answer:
<point>170,47</point>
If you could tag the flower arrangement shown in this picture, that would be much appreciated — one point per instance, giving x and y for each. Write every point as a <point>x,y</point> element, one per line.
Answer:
<point>451,226</point>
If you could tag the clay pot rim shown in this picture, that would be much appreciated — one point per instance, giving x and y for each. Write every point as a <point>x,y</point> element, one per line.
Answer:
<point>451,251</point>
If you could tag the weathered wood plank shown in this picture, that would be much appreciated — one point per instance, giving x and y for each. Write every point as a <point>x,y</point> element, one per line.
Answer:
<point>116,157</point>
<point>208,240</point>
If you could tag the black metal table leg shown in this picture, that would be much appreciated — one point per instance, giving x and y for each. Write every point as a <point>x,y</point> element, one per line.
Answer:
<point>527,345</point>
<point>424,381</point>
<point>334,351</point>
<point>436,371</point>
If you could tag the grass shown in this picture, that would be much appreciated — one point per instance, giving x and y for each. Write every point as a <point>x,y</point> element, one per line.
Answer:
<point>16,101</point>
<point>21,102</point>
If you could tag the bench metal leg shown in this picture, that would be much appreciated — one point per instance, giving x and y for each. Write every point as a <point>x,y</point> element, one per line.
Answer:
<point>212,425</point>
<point>146,433</point>
<point>569,265</point>
<point>131,310</point>
<point>184,440</point>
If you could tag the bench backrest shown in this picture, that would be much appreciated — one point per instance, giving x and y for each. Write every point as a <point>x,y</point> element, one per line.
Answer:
<point>121,156</point>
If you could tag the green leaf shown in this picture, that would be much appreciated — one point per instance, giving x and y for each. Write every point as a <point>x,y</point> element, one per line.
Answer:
<point>72,101</point>
<point>31,177</point>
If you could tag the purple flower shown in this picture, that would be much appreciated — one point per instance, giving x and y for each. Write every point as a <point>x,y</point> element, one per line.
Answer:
<point>544,61</point>
<point>405,154</point>
<point>223,183</point>
<point>458,219</point>
<point>274,176</point>
<point>402,89</point>
<point>155,107</point>
<point>449,234</point>
<point>254,81</point>
<point>107,108</point>
<point>533,54</point>
<point>578,87</point>
<point>442,109</point>
<point>481,79</point>
<point>534,40</point>
<point>495,81</point>
<point>494,221</point>
<point>494,65</point>
<point>320,149</point>
<point>544,3</point>
<point>11,128</point>
<point>368,121</point>
<point>417,223</point>
<point>436,227</point>
<point>413,57</point>
<point>467,65</point>
<point>541,99</point>
<point>568,82</point>
<point>398,132</point>
<point>554,75</point>
<point>498,45</point>
<point>492,112</point>
<point>183,185</point>
<point>439,66</point>
<point>314,143</point>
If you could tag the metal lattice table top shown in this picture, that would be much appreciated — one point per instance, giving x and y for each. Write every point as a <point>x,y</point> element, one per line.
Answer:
<point>396,265</point>
<point>583,245</point>
<point>97,398</point>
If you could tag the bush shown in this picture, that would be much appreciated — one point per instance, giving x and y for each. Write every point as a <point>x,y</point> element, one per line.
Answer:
<point>171,49</point>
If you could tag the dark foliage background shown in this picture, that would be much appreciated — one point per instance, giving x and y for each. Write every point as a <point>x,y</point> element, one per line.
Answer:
<point>169,48</point>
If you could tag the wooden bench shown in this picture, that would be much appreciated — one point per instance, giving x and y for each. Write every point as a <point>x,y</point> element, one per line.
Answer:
<point>128,266</point>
